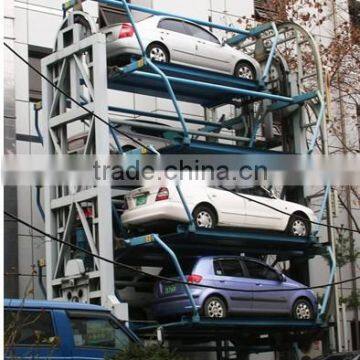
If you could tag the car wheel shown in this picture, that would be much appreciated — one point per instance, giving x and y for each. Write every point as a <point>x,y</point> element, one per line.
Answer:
<point>298,226</point>
<point>215,307</point>
<point>158,52</point>
<point>303,310</point>
<point>204,217</point>
<point>245,70</point>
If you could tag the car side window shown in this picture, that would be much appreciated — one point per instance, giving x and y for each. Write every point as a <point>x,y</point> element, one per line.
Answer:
<point>260,271</point>
<point>25,328</point>
<point>228,267</point>
<point>97,331</point>
<point>173,25</point>
<point>201,33</point>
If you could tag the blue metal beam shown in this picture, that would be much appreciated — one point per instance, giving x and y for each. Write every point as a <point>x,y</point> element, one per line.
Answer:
<point>187,138</point>
<point>162,116</point>
<point>325,302</point>
<point>235,40</point>
<point>120,4</point>
<point>225,89</point>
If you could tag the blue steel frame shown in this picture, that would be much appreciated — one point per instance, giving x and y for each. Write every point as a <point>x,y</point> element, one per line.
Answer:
<point>282,101</point>
<point>146,239</point>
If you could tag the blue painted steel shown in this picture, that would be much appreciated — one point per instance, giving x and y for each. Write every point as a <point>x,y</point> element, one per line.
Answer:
<point>235,40</point>
<point>134,65</point>
<point>161,116</point>
<point>318,123</point>
<point>174,259</point>
<point>188,213</point>
<point>37,108</point>
<point>116,140</point>
<point>325,302</point>
<point>323,206</point>
<point>38,202</point>
<point>272,52</point>
<point>120,3</point>
<point>203,147</point>
<point>298,99</point>
<point>187,138</point>
<point>140,240</point>
<point>225,89</point>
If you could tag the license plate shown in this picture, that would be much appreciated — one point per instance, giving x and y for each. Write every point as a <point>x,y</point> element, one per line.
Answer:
<point>141,200</point>
<point>169,289</point>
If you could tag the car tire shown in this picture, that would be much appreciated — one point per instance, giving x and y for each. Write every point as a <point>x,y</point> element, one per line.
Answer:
<point>158,52</point>
<point>204,217</point>
<point>215,307</point>
<point>303,310</point>
<point>245,70</point>
<point>298,226</point>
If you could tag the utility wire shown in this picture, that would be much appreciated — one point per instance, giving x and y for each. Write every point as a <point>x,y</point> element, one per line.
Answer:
<point>163,278</point>
<point>285,213</point>
<point>77,102</point>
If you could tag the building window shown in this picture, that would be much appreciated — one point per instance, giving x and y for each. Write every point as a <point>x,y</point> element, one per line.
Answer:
<point>354,12</point>
<point>269,10</point>
<point>35,55</point>
<point>109,15</point>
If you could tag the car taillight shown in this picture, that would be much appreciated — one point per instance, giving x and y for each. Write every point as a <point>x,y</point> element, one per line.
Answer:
<point>163,194</point>
<point>194,279</point>
<point>126,30</point>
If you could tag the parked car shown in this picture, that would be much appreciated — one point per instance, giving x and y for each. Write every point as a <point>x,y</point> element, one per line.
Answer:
<point>230,273</point>
<point>55,329</point>
<point>155,137</point>
<point>211,207</point>
<point>355,355</point>
<point>168,39</point>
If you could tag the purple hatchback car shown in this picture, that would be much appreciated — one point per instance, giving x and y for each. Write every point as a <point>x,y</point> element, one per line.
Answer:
<point>231,272</point>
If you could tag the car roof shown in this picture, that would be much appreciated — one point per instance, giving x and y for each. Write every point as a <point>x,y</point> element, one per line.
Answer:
<point>45,304</point>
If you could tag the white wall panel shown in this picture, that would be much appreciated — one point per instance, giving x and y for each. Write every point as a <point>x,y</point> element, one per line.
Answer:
<point>21,73</point>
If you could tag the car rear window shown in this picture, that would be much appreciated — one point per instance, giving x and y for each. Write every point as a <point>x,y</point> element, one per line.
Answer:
<point>23,327</point>
<point>187,267</point>
<point>97,330</point>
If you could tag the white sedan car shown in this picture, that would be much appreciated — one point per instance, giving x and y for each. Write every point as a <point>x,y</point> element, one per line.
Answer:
<point>182,42</point>
<point>211,207</point>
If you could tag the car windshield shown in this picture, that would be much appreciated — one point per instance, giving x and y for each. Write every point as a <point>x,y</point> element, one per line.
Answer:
<point>97,330</point>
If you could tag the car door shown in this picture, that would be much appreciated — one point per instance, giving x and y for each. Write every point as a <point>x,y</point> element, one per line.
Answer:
<point>231,208</point>
<point>209,53</point>
<point>230,275</point>
<point>30,333</point>
<point>97,335</point>
<point>263,277</point>
<point>261,213</point>
<point>178,40</point>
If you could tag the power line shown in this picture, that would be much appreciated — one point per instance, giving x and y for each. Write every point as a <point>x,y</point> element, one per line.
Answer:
<point>77,102</point>
<point>163,278</point>
<point>285,213</point>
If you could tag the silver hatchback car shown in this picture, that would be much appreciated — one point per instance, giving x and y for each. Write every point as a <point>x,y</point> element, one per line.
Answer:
<point>181,42</point>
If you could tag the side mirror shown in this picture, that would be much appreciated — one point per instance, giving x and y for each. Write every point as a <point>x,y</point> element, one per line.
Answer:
<point>282,277</point>
<point>223,41</point>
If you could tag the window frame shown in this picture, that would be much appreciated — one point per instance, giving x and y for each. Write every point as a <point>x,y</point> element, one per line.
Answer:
<point>220,260</point>
<point>262,264</point>
<point>56,345</point>
<point>173,20</point>
<point>93,315</point>
<point>216,40</point>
